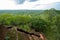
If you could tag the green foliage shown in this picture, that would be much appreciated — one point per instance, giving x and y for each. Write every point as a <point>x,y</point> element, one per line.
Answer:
<point>52,17</point>
<point>5,19</point>
<point>47,22</point>
<point>39,24</point>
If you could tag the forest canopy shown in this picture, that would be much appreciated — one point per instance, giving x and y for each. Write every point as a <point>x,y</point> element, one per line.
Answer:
<point>47,22</point>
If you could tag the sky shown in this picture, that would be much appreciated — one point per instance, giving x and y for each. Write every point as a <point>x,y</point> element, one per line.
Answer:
<point>29,4</point>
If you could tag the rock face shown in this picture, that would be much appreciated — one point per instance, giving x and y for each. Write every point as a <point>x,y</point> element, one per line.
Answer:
<point>14,34</point>
<point>2,32</point>
<point>25,36</point>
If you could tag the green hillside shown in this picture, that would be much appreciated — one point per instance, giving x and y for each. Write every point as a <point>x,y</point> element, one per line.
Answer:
<point>41,21</point>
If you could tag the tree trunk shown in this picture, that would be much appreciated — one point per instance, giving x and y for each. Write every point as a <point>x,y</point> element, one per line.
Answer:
<point>2,32</point>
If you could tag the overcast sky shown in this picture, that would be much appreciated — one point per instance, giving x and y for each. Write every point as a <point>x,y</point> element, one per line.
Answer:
<point>29,4</point>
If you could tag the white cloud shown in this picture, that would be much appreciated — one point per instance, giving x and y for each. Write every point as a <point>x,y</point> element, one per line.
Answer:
<point>11,5</point>
<point>47,1</point>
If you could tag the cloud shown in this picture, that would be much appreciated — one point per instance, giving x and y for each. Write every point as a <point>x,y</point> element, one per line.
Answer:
<point>56,5</point>
<point>37,5</point>
<point>22,1</point>
<point>32,0</point>
<point>19,1</point>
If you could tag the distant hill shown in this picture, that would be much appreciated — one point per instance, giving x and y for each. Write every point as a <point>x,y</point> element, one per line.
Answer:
<point>31,12</point>
<point>19,11</point>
